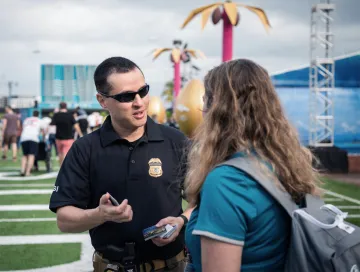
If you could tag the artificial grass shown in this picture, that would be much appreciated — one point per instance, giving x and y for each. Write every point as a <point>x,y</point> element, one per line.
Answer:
<point>24,199</point>
<point>16,257</point>
<point>49,187</point>
<point>350,190</point>
<point>28,228</point>
<point>50,181</point>
<point>26,214</point>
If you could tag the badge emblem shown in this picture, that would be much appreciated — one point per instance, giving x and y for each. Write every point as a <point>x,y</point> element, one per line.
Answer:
<point>155,169</point>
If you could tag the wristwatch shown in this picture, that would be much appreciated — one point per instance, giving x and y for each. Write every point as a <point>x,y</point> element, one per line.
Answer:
<point>185,219</point>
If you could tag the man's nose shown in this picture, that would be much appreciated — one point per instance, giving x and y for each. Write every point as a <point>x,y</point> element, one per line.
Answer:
<point>138,102</point>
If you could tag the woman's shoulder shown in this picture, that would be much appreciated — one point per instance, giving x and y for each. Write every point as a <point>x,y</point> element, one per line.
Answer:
<point>239,184</point>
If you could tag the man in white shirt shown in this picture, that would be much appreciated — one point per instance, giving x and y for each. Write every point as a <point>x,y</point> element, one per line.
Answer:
<point>32,127</point>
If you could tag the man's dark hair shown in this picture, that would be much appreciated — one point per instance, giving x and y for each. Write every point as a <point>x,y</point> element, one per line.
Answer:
<point>110,66</point>
<point>36,113</point>
<point>62,105</point>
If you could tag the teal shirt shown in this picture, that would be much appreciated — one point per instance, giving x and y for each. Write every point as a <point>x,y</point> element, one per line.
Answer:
<point>235,209</point>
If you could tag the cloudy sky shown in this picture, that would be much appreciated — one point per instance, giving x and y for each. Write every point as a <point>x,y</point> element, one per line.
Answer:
<point>33,32</point>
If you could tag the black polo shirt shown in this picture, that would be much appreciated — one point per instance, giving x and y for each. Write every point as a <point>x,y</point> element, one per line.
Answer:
<point>149,173</point>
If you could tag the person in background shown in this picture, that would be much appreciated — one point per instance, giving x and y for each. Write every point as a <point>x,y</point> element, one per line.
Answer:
<point>19,130</point>
<point>11,124</point>
<point>29,139</point>
<point>92,121</point>
<point>51,132</point>
<point>237,224</point>
<point>81,118</point>
<point>64,122</point>
<point>171,122</point>
<point>155,118</point>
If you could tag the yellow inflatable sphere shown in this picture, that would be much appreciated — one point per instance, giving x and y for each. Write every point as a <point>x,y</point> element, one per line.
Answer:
<point>189,105</point>
<point>156,109</point>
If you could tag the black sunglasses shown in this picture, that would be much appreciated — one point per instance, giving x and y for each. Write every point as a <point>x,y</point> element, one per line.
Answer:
<point>129,96</point>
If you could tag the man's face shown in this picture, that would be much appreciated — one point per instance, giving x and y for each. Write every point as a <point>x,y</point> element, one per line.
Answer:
<point>130,115</point>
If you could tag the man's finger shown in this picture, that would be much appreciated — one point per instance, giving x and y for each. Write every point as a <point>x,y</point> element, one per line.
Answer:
<point>127,211</point>
<point>121,208</point>
<point>163,222</point>
<point>104,198</point>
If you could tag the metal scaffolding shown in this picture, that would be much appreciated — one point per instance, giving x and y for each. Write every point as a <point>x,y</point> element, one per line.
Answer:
<point>321,77</point>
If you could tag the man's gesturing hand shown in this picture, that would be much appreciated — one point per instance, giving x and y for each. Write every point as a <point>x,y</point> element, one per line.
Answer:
<point>119,214</point>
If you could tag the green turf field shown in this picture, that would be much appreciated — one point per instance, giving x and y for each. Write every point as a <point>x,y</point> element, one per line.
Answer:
<point>16,257</point>
<point>29,256</point>
<point>24,199</point>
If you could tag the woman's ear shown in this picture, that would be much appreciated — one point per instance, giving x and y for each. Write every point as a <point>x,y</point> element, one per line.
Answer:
<point>101,101</point>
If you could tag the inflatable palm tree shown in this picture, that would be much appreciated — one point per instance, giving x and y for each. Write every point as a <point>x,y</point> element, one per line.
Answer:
<point>177,55</point>
<point>229,14</point>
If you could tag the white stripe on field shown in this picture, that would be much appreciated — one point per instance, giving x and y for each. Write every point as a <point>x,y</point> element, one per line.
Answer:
<point>24,207</point>
<point>49,185</point>
<point>343,197</point>
<point>27,192</point>
<point>348,207</point>
<point>353,216</point>
<point>43,239</point>
<point>27,219</point>
<point>10,176</point>
<point>333,199</point>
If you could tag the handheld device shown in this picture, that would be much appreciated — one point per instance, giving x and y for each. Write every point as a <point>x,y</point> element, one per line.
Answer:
<point>113,201</point>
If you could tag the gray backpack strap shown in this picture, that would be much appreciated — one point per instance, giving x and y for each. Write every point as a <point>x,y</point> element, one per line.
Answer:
<point>252,170</point>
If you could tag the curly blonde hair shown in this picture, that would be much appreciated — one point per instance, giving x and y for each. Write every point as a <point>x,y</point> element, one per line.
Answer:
<point>244,114</point>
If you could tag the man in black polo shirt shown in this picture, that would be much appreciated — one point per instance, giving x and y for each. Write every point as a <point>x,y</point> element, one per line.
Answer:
<point>139,163</point>
<point>64,122</point>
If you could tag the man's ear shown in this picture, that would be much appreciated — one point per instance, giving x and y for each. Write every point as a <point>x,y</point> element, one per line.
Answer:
<point>101,101</point>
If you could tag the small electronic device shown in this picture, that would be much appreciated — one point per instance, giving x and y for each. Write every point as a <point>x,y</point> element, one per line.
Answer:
<point>113,201</point>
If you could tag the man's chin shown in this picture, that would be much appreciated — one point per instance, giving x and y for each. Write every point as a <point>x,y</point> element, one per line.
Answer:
<point>140,122</point>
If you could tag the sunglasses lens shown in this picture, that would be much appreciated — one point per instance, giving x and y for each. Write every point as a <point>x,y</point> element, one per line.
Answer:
<point>144,91</point>
<point>129,97</point>
<point>126,97</point>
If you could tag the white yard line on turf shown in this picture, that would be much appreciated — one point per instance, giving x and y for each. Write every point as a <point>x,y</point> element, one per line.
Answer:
<point>24,207</point>
<point>26,192</point>
<point>43,239</point>
<point>83,265</point>
<point>49,185</point>
<point>10,176</point>
<point>27,219</point>
<point>329,199</point>
<point>349,207</point>
<point>343,197</point>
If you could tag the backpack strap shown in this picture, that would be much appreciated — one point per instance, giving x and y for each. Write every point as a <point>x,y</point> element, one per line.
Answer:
<point>248,166</point>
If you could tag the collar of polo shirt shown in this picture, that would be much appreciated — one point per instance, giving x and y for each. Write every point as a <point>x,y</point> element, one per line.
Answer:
<point>108,134</point>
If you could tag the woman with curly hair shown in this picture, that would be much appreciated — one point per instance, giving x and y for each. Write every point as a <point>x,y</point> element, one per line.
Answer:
<point>237,225</point>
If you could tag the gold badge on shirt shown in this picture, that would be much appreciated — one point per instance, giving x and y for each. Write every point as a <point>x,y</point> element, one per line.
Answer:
<point>155,169</point>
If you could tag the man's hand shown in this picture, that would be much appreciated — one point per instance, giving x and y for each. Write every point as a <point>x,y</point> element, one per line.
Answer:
<point>178,221</point>
<point>119,214</point>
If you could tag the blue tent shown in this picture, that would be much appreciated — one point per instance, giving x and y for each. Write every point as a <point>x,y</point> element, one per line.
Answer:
<point>293,89</point>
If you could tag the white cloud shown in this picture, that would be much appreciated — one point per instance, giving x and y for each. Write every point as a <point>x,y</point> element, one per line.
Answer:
<point>88,31</point>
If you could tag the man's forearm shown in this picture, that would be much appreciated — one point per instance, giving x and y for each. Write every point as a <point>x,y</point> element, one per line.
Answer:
<point>75,220</point>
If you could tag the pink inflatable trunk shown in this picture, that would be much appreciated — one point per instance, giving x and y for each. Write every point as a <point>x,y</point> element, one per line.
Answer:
<point>177,78</point>
<point>227,38</point>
